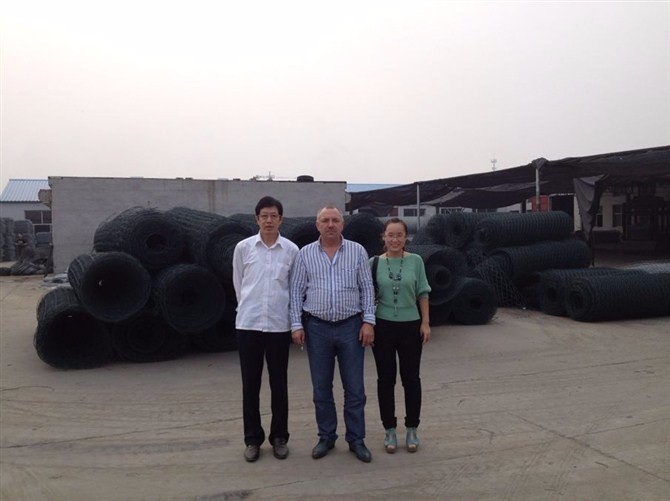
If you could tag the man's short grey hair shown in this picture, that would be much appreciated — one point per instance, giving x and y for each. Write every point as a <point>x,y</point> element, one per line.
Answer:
<point>330,206</point>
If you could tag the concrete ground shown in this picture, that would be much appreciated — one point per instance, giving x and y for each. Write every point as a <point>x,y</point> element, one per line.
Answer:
<point>528,407</point>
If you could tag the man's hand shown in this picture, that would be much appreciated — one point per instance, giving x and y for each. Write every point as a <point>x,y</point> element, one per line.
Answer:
<point>367,335</point>
<point>298,337</point>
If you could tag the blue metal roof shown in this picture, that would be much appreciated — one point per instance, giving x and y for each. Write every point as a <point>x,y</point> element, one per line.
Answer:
<point>23,190</point>
<point>356,187</point>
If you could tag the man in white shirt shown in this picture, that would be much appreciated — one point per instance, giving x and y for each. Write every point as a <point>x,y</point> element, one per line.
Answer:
<point>261,267</point>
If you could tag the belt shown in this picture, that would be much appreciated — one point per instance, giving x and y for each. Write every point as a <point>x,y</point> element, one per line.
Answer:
<point>336,322</point>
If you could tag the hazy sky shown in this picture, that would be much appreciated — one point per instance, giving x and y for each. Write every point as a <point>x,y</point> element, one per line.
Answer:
<point>364,91</point>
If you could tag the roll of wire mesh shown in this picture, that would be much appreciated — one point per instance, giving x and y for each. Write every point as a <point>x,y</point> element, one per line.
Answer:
<point>211,238</point>
<point>365,229</point>
<point>519,262</point>
<point>455,229</point>
<point>189,297</point>
<point>145,233</point>
<point>67,336</point>
<point>221,337</point>
<point>111,286</point>
<point>553,285</point>
<point>440,313</point>
<point>474,303</point>
<point>445,270</point>
<point>618,297</point>
<point>513,229</point>
<point>300,230</point>
<point>147,338</point>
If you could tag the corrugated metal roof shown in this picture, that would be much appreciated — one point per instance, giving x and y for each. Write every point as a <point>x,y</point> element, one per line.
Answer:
<point>356,187</point>
<point>23,190</point>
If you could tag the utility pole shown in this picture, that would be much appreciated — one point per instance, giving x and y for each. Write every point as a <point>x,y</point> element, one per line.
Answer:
<point>493,164</point>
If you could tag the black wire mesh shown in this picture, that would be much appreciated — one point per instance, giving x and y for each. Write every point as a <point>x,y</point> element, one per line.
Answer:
<point>211,238</point>
<point>111,286</point>
<point>445,269</point>
<point>221,337</point>
<point>67,337</point>
<point>422,237</point>
<point>145,233</point>
<point>618,297</point>
<point>147,338</point>
<point>475,303</point>
<point>440,313</point>
<point>519,262</point>
<point>300,230</point>
<point>365,229</point>
<point>189,297</point>
<point>513,229</point>
<point>455,229</point>
<point>553,285</point>
<point>490,270</point>
<point>649,267</point>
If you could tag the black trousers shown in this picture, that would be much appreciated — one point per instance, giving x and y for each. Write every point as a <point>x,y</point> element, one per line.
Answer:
<point>404,340</point>
<point>254,347</point>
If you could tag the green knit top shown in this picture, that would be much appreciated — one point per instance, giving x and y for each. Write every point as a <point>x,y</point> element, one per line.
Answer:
<point>413,284</point>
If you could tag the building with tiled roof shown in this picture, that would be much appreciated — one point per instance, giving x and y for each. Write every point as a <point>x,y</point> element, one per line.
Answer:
<point>20,200</point>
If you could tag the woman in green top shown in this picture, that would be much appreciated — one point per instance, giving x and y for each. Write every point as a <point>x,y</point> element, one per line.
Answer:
<point>401,330</point>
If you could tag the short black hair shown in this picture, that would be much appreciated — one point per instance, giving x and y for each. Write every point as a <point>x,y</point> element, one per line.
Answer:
<point>265,202</point>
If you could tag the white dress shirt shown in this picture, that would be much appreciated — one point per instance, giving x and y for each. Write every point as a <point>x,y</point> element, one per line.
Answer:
<point>261,281</point>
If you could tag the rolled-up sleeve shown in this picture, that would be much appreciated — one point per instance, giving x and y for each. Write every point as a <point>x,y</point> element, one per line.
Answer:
<point>297,292</point>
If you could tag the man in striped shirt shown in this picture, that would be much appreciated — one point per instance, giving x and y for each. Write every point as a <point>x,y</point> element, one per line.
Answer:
<point>333,312</point>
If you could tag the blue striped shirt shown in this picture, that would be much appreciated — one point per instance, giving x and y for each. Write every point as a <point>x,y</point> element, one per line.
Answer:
<point>332,290</point>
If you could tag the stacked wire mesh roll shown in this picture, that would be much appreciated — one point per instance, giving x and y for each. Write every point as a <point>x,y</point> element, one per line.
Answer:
<point>532,260</point>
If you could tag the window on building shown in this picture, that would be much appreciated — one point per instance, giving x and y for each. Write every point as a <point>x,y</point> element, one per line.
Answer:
<point>617,215</point>
<point>599,217</point>
<point>412,212</point>
<point>41,220</point>
<point>485,210</point>
<point>449,210</point>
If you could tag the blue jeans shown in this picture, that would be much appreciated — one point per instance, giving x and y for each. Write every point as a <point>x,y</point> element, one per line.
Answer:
<point>326,341</point>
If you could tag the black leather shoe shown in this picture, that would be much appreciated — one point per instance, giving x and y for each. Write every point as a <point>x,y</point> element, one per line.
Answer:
<point>322,448</point>
<point>251,453</point>
<point>279,448</point>
<point>361,451</point>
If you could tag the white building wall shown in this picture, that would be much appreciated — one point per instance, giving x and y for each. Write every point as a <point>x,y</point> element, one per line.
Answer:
<point>16,210</point>
<point>80,204</point>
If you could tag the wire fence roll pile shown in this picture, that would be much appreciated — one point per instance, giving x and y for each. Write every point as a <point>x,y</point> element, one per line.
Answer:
<point>211,238</point>
<point>618,297</point>
<point>67,336</point>
<point>145,233</point>
<point>365,229</point>
<point>445,270</point>
<point>111,286</point>
<point>508,230</point>
<point>552,285</point>
<point>475,303</point>
<point>519,262</point>
<point>148,338</point>
<point>189,297</point>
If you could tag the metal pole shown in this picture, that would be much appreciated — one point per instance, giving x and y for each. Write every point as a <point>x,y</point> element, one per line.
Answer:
<point>537,189</point>
<point>418,207</point>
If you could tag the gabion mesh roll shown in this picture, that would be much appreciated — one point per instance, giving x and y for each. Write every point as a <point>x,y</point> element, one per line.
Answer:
<point>300,230</point>
<point>67,337</point>
<point>221,337</point>
<point>519,262</point>
<point>507,230</point>
<point>147,338</point>
<point>189,297</point>
<point>475,303</point>
<point>440,313</point>
<point>365,229</point>
<point>455,229</point>
<point>553,285</point>
<point>618,297</point>
<point>145,233</point>
<point>491,270</point>
<point>422,237</point>
<point>445,269</point>
<point>111,286</point>
<point>249,220</point>
<point>211,239</point>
